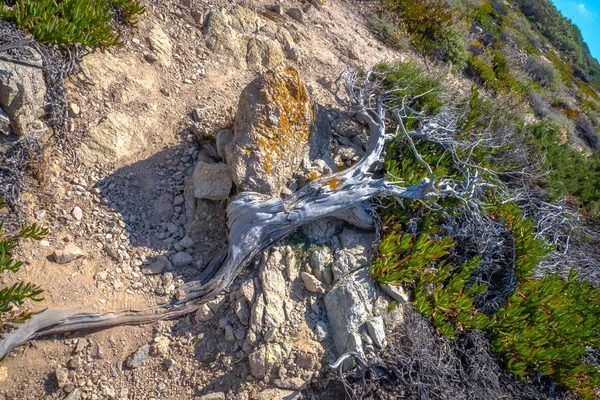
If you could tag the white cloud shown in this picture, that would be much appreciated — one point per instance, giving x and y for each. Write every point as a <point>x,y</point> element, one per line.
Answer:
<point>582,8</point>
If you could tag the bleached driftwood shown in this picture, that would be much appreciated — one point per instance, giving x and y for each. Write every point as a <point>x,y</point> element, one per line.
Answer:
<point>257,221</point>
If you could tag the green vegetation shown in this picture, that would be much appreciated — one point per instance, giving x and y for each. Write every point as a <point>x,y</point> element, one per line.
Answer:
<point>562,33</point>
<point>18,292</point>
<point>388,30</point>
<point>542,326</point>
<point>570,172</point>
<point>430,24</point>
<point>67,22</point>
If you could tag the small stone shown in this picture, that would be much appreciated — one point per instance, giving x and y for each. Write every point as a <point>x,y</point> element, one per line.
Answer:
<point>376,331</point>
<point>160,346</point>
<point>68,254</point>
<point>77,213</point>
<point>137,358</point>
<point>74,363</point>
<point>213,396</point>
<point>160,264</point>
<point>211,181</point>
<point>187,242</point>
<point>61,375</point>
<point>320,331</point>
<point>82,344</point>
<point>97,352</point>
<point>204,314</point>
<point>3,374</point>
<point>150,57</point>
<point>168,363</point>
<point>395,292</point>
<point>4,123</point>
<point>74,110</point>
<point>182,258</point>
<point>296,14</point>
<point>178,200</point>
<point>74,395</point>
<point>312,283</point>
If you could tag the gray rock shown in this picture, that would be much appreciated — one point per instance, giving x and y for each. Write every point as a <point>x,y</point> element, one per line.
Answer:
<point>213,396</point>
<point>74,395</point>
<point>178,200</point>
<point>204,313</point>
<point>187,242</point>
<point>266,360</point>
<point>274,393</point>
<point>274,290</point>
<point>211,181</point>
<point>296,14</point>
<point>224,138</point>
<point>320,261</point>
<point>376,330</point>
<point>163,208</point>
<point>182,258</point>
<point>158,266</point>
<point>137,358</point>
<point>312,283</point>
<point>395,292</point>
<point>358,243</point>
<point>62,376</point>
<point>320,331</point>
<point>81,346</point>
<point>343,264</point>
<point>68,254</point>
<point>4,123</point>
<point>349,305</point>
<point>22,95</point>
<point>74,363</point>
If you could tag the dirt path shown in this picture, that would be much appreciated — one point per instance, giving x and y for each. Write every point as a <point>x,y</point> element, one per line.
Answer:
<point>129,189</point>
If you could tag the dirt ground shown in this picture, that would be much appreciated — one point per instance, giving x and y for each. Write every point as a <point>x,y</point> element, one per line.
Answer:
<point>119,189</point>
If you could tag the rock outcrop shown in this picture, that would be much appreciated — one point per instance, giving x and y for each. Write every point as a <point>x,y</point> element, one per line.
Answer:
<point>22,96</point>
<point>248,39</point>
<point>272,127</point>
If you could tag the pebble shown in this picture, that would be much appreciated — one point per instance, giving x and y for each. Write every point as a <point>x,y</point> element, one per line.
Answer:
<point>182,258</point>
<point>77,213</point>
<point>137,358</point>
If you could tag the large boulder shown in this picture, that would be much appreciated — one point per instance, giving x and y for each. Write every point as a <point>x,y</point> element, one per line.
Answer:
<point>272,128</point>
<point>22,95</point>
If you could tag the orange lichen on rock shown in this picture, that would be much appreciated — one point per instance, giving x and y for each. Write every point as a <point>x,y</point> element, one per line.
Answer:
<point>291,114</point>
<point>274,120</point>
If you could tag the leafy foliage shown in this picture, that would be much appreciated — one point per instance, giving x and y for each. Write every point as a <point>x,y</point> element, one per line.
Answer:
<point>569,171</point>
<point>537,319</point>
<point>389,31</point>
<point>67,22</point>
<point>562,33</point>
<point>546,327</point>
<point>18,292</point>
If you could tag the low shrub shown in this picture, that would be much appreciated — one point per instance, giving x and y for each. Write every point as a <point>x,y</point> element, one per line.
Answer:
<point>455,48</point>
<point>18,292</point>
<point>388,30</point>
<point>587,132</point>
<point>67,22</point>
<point>542,72</point>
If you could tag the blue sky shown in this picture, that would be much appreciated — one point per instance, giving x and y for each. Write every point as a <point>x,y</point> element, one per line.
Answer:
<point>586,15</point>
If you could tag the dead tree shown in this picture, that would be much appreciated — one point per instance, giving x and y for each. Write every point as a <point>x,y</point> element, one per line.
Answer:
<point>257,221</point>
